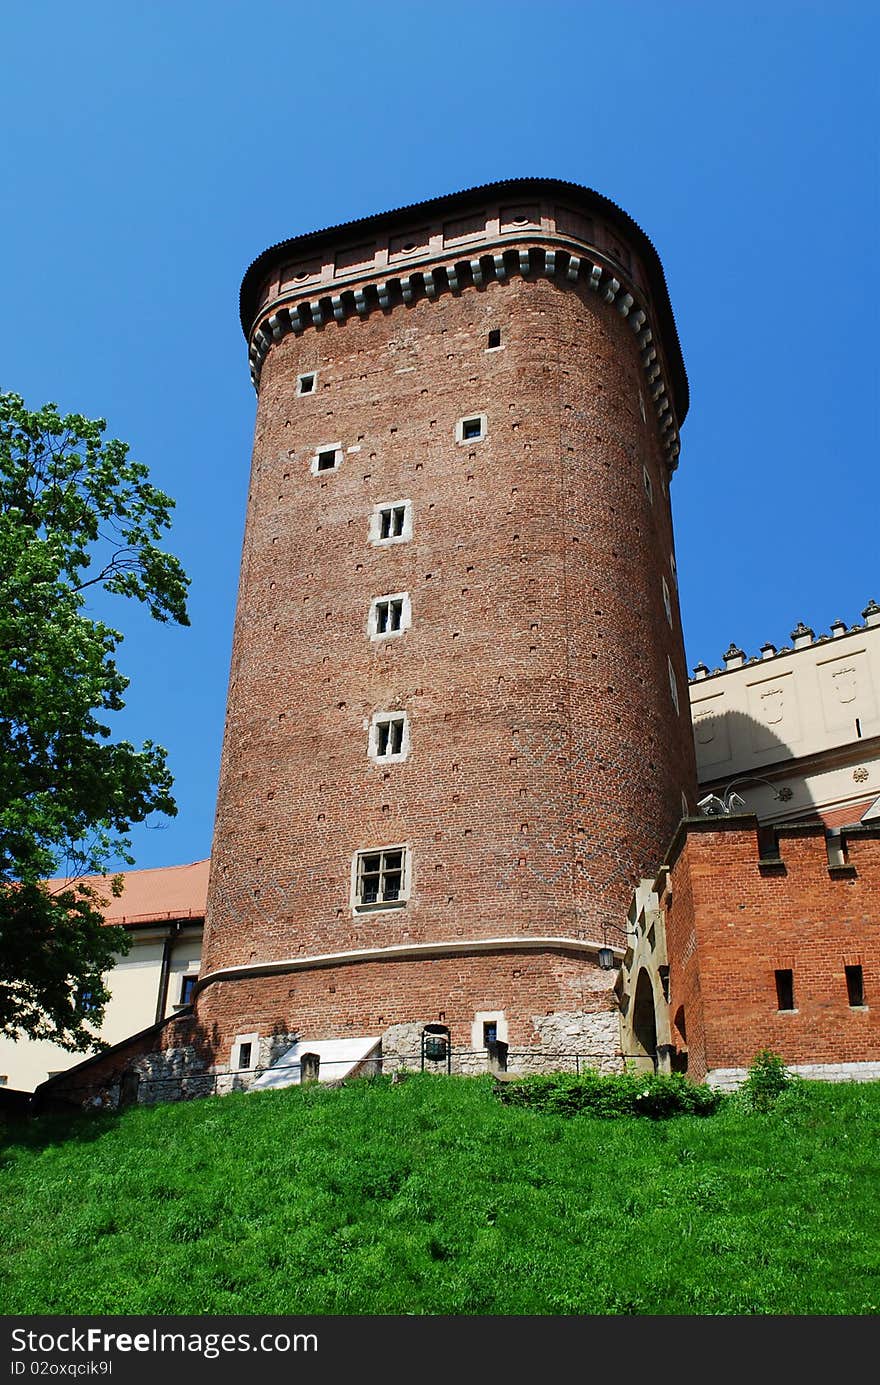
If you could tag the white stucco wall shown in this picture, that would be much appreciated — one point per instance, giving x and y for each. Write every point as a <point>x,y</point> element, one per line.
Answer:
<point>808,717</point>
<point>134,993</point>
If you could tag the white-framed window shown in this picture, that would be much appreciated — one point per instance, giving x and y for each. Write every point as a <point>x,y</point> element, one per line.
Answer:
<point>673,685</point>
<point>245,1052</point>
<point>493,341</point>
<point>328,457</point>
<point>388,741</point>
<point>488,1025</point>
<point>380,878</point>
<point>471,428</point>
<point>307,383</point>
<point>667,600</point>
<point>389,616</point>
<point>391,522</point>
<point>646,482</point>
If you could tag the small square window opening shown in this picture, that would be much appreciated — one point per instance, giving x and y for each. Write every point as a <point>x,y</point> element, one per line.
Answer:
<point>327,457</point>
<point>388,740</point>
<point>391,522</point>
<point>244,1056</point>
<point>855,987</point>
<point>472,428</point>
<point>305,384</point>
<point>494,339</point>
<point>389,615</point>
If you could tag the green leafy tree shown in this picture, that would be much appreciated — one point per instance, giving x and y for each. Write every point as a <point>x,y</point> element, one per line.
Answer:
<point>75,513</point>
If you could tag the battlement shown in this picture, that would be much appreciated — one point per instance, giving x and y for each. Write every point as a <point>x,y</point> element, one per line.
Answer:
<point>804,848</point>
<point>752,937</point>
<point>802,637</point>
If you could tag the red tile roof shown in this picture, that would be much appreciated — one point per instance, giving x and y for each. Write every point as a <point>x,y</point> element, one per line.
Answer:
<point>845,817</point>
<point>152,896</point>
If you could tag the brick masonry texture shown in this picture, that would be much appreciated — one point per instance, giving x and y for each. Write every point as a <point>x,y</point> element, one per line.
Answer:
<point>734,920</point>
<point>369,998</point>
<point>548,760</point>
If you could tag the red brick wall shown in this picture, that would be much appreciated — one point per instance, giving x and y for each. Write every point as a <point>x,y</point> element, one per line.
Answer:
<point>369,997</point>
<point>547,759</point>
<point>751,919</point>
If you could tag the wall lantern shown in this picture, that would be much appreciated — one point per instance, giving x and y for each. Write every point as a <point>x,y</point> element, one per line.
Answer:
<point>606,958</point>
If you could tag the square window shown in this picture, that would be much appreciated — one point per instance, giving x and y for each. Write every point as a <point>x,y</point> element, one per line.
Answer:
<point>389,737</point>
<point>494,339</point>
<point>307,384</point>
<point>472,428</point>
<point>187,988</point>
<point>328,457</point>
<point>389,615</point>
<point>380,878</point>
<point>391,522</point>
<point>244,1055</point>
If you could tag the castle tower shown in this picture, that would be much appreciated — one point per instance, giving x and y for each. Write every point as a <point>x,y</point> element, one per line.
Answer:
<point>458,727</point>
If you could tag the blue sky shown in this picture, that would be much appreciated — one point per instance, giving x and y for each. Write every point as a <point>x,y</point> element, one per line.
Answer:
<point>152,151</point>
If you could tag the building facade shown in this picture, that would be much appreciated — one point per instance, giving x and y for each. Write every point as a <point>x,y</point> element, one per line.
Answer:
<point>762,927</point>
<point>163,912</point>
<point>440,779</point>
<point>459,795</point>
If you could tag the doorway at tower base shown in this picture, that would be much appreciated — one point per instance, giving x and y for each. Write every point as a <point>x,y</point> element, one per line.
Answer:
<point>337,1058</point>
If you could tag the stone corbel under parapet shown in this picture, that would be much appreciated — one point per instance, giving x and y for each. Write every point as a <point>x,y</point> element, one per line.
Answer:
<point>450,277</point>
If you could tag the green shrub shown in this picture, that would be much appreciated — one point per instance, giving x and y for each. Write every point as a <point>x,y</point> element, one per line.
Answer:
<point>617,1094</point>
<point>767,1080</point>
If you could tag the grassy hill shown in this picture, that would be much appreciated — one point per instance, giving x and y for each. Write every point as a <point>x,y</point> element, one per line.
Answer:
<point>431,1197</point>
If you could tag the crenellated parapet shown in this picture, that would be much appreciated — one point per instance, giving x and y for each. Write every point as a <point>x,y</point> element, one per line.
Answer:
<point>802,637</point>
<point>535,228</point>
<point>795,731</point>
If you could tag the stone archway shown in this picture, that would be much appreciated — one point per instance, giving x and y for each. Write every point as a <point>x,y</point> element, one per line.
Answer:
<point>644,1025</point>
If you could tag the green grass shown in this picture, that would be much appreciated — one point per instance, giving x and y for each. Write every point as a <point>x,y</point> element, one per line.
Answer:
<point>431,1197</point>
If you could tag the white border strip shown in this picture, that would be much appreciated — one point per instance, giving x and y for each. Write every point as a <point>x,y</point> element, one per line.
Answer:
<point>403,951</point>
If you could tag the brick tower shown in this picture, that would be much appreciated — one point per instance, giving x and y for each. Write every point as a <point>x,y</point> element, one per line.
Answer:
<point>458,727</point>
